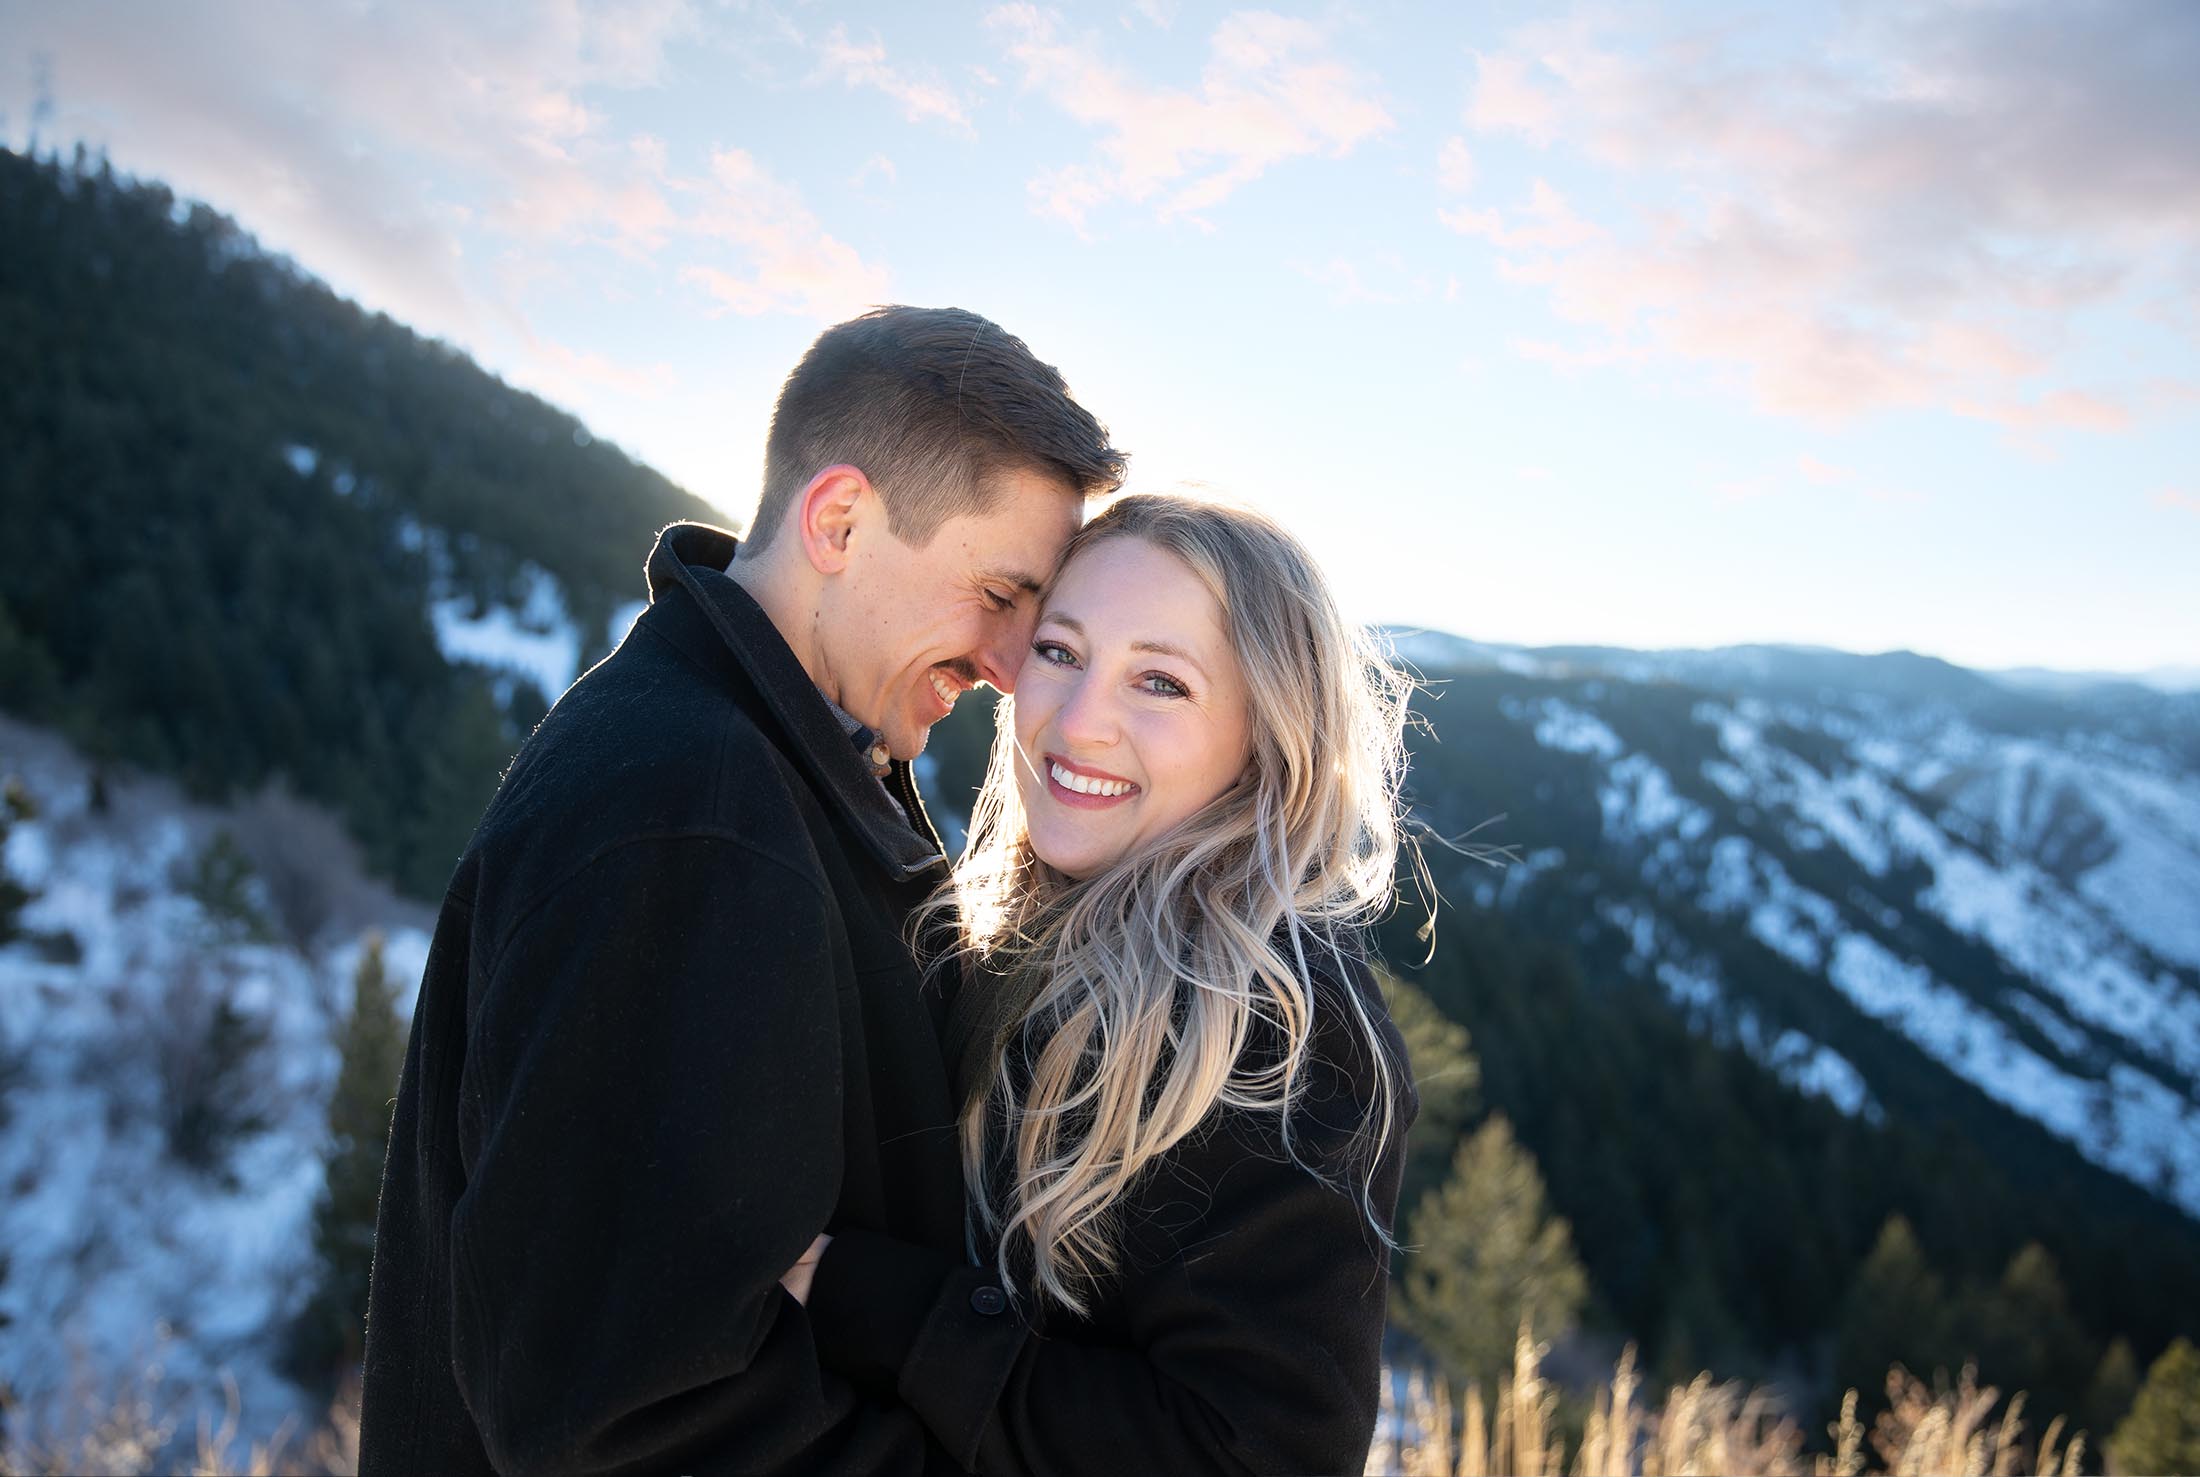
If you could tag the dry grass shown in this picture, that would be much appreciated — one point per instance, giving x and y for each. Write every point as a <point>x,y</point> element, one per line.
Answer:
<point>1702,1427</point>
<point>139,1431</point>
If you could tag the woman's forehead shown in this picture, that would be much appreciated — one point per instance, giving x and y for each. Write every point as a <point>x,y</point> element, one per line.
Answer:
<point>1127,581</point>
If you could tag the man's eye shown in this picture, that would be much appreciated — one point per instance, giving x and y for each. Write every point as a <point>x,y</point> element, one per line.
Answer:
<point>998,600</point>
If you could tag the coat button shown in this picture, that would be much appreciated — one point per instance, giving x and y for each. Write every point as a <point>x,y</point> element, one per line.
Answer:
<point>988,1300</point>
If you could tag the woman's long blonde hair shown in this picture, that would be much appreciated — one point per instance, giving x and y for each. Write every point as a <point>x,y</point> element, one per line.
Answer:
<point>1102,1019</point>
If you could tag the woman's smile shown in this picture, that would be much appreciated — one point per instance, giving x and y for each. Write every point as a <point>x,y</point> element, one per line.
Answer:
<point>1084,787</point>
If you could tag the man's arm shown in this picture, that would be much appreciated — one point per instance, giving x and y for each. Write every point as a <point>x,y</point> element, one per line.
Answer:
<point>650,1121</point>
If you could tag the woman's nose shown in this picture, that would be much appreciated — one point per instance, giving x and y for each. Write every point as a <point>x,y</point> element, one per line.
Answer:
<point>1086,716</point>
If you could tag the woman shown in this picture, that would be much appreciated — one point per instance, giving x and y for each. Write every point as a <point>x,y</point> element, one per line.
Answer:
<point>1185,1104</point>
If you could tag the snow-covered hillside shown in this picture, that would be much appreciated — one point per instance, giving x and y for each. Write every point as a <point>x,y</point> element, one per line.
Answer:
<point>2023,907</point>
<point>121,1258</point>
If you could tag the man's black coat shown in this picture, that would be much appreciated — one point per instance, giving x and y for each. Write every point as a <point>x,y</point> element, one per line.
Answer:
<point>669,1032</point>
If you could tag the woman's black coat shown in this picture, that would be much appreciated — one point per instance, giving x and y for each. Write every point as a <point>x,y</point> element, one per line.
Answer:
<point>1242,1336</point>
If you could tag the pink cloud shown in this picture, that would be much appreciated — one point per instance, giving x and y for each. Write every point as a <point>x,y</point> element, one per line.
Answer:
<point>794,264</point>
<point>1506,101</point>
<point>1455,166</point>
<point>1921,225</point>
<point>562,369</point>
<point>1383,280</point>
<point>1546,222</point>
<point>368,141</point>
<point>2171,497</point>
<point>1567,358</point>
<point>2057,410</point>
<point>922,99</point>
<point>1269,93</point>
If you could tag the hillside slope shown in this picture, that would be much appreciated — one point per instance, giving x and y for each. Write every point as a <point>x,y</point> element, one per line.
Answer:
<point>252,528</point>
<point>1959,920</point>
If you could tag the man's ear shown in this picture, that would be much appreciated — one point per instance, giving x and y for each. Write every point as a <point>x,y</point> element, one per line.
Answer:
<point>827,513</point>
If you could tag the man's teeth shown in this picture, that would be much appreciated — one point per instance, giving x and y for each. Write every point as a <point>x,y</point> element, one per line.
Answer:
<point>1084,786</point>
<point>947,690</point>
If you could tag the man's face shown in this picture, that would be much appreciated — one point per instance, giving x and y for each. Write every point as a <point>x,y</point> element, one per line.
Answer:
<point>904,631</point>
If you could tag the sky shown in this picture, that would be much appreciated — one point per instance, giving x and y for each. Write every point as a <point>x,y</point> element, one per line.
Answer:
<point>1869,326</point>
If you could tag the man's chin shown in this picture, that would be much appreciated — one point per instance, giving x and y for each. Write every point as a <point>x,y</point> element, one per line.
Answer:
<point>907,743</point>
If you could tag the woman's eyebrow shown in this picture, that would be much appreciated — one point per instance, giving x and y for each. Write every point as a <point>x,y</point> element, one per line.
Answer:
<point>1163,648</point>
<point>1159,648</point>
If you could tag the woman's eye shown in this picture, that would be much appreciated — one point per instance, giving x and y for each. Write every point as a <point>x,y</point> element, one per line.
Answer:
<point>1053,651</point>
<point>1164,685</point>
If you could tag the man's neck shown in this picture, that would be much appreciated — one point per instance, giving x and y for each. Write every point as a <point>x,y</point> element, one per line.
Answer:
<point>793,614</point>
<point>790,606</point>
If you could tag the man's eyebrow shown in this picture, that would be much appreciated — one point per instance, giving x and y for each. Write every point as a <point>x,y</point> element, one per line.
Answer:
<point>1159,648</point>
<point>1029,584</point>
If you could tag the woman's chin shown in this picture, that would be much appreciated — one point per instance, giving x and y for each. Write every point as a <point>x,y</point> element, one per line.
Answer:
<point>1072,858</point>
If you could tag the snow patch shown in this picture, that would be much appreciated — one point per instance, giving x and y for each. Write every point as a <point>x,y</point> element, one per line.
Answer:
<point>119,1256</point>
<point>2151,1134</point>
<point>1575,731</point>
<point>537,640</point>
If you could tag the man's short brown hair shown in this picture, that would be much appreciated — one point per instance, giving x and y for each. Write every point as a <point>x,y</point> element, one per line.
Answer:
<point>931,404</point>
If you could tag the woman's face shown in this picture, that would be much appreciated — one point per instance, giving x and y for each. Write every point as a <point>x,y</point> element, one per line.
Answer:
<point>1130,709</point>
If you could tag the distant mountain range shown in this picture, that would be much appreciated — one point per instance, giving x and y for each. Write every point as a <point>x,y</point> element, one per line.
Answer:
<point>2006,878</point>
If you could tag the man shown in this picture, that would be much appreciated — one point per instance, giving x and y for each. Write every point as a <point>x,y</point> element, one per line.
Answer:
<point>670,1030</point>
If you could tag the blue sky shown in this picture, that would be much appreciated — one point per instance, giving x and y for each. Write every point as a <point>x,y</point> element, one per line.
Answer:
<point>1868,326</point>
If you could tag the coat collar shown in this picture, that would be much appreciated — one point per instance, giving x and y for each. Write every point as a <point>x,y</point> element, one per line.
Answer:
<point>693,557</point>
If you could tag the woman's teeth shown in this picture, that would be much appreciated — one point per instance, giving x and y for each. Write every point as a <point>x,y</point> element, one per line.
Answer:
<point>1084,786</point>
<point>947,690</point>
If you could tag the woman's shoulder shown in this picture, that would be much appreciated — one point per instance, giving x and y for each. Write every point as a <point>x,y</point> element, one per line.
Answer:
<point>1342,976</point>
<point>1355,1054</point>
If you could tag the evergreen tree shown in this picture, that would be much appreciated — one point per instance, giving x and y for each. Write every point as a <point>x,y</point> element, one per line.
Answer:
<point>1486,1254</point>
<point>331,1332</point>
<point>2162,1432</point>
<point>222,881</point>
<point>2024,1335</point>
<point>1447,1078</point>
<point>1896,1312</point>
<point>206,1052</point>
<point>2115,1383</point>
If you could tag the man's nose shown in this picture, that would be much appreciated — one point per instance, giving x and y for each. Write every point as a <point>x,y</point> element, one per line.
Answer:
<point>1003,656</point>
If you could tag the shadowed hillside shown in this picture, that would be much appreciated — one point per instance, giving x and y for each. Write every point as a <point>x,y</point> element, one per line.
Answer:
<point>252,528</point>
